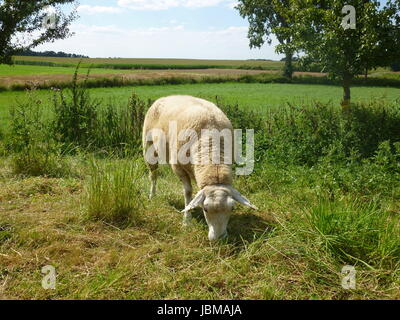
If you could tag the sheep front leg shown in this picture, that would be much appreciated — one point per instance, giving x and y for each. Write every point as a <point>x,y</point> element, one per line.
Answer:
<point>188,191</point>
<point>153,179</point>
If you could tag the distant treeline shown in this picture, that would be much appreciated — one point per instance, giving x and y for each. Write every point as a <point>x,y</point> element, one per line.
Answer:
<point>60,54</point>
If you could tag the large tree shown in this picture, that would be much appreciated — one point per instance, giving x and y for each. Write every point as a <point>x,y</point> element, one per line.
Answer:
<point>25,24</point>
<point>266,18</point>
<point>345,50</point>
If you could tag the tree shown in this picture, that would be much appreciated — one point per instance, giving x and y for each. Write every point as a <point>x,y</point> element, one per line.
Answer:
<point>320,29</point>
<point>26,24</point>
<point>265,18</point>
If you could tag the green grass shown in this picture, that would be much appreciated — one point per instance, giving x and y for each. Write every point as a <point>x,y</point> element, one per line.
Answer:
<point>292,248</point>
<point>114,192</point>
<point>259,97</point>
<point>96,226</point>
<point>19,70</point>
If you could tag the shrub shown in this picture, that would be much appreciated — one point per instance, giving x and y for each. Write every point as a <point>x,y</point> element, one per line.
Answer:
<point>119,130</point>
<point>240,117</point>
<point>304,135</point>
<point>34,150</point>
<point>114,192</point>
<point>378,174</point>
<point>75,115</point>
<point>85,122</point>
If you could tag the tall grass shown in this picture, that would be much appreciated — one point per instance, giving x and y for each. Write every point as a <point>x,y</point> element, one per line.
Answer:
<point>356,232</point>
<point>354,151</point>
<point>306,134</point>
<point>75,114</point>
<point>85,122</point>
<point>114,192</point>
<point>34,149</point>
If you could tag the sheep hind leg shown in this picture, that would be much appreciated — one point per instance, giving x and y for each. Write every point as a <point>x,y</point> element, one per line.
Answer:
<point>153,168</point>
<point>187,190</point>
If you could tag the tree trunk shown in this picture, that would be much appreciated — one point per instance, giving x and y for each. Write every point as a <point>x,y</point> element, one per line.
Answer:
<point>346,90</point>
<point>288,70</point>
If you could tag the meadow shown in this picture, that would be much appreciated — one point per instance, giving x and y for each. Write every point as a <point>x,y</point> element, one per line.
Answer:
<point>27,70</point>
<point>74,195</point>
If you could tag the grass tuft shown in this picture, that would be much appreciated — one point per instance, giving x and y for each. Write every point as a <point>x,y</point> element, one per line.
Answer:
<point>114,192</point>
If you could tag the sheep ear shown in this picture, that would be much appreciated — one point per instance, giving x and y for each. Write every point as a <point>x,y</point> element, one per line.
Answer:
<point>242,199</point>
<point>196,202</point>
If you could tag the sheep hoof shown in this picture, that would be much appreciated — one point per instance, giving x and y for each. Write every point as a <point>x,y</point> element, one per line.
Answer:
<point>187,220</point>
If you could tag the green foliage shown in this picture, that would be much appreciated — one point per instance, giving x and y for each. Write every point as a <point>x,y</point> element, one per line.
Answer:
<point>119,130</point>
<point>379,174</point>
<point>304,135</point>
<point>317,30</point>
<point>35,151</point>
<point>25,18</point>
<point>75,115</point>
<point>355,232</point>
<point>114,192</point>
<point>82,121</point>
<point>241,118</point>
<point>266,18</point>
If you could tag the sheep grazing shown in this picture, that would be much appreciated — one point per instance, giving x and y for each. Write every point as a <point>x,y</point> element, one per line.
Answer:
<point>176,131</point>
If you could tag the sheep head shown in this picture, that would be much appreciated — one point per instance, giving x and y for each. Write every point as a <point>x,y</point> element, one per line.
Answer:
<point>217,203</point>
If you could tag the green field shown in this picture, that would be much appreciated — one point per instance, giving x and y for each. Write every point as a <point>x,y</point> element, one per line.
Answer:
<point>269,65</point>
<point>18,70</point>
<point>74,195</point>
<point>258,97</point>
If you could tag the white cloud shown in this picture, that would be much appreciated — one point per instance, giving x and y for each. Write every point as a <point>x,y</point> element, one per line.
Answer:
<point>167,4</point>
<point>98,9</point>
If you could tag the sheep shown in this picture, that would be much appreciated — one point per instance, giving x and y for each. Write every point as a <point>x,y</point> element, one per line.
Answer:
<point>214,179</point>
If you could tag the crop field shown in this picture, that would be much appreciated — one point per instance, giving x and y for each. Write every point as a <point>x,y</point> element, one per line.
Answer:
<point>164,63</point>
<point>23,76</point>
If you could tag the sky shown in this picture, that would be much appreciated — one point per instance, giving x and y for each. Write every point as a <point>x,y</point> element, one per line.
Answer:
<point>192,29</point>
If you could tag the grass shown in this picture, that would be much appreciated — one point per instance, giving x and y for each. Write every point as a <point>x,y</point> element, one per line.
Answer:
<point>26,70</point>
<point>258,97</point>
<point>290,249</point>
<point>327,185</point>
<point>114,192</point>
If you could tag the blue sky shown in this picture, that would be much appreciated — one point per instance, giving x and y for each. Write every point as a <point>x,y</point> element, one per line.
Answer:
<point>198,29</point>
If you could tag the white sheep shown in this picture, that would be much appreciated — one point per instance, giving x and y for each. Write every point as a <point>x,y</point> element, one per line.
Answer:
<point>194,115</point>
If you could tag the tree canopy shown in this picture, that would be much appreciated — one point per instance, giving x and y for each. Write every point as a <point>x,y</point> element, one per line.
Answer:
<point>266,19</point>
<point>26,24</point>
<point>346,37</point>
<point>320,30</point>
